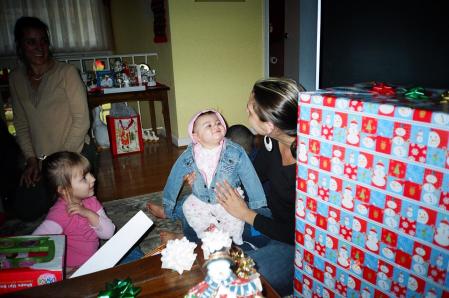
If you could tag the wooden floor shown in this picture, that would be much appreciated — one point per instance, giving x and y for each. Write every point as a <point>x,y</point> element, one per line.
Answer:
<point>137,173</point>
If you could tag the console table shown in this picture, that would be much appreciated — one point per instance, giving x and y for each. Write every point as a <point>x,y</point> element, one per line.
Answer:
<point>151,94</point>
<point>145,273</point>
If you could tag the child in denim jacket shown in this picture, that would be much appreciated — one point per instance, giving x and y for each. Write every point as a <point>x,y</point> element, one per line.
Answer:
<point>212,158</point>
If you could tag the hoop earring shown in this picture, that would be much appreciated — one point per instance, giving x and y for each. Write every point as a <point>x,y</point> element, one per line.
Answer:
<point>267,142</point>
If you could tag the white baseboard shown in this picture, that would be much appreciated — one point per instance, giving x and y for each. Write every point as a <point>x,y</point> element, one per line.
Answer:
<point>177,142</point>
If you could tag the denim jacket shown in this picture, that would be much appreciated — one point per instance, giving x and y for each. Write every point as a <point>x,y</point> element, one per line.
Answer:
<point>234,166</point>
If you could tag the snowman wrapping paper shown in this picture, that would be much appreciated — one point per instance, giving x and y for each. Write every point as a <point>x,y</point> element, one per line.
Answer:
<point>372,205</point>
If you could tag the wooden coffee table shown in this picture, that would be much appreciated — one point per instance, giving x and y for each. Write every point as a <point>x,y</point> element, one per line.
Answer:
<point>145,273</point>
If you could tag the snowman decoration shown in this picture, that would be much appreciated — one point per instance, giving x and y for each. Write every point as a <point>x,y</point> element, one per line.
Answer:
<point>220,280</point>
<point>379,175</point>
<point>390,216</point>
<point>351,282</point>
<point>434,139</point>
<point>307,288</point>
<point>302,152</point>
<point>366,293</point>
<point>372,242</point>
<point>308,240</point>
<point>430,195</point>
<point>328,277</point>
<point>431,294</point>
<point>315,129</point>
<point>298,259</point>
<point>336,163</point>
<point>399,146</point>
<point>382,278</point>
<point>353,137</point>
<point>348,199</point>
<point>441,237</point>
<point>332,223</point>
<point>312,188</point>
<point>418,258</point>
<point>300,208</point>
<point>327,130</point>
<point>343,257</point>
<point>412,283</point>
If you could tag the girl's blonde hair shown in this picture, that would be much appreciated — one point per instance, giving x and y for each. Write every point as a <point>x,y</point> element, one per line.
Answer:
<point>57,169</point>
<point>276,101</point>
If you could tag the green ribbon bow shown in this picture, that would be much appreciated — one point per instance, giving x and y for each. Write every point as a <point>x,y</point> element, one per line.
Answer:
<point>416,93</point>
<point>120,289</point>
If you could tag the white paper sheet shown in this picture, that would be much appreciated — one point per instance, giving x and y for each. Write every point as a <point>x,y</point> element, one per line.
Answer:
<point>112,251</point>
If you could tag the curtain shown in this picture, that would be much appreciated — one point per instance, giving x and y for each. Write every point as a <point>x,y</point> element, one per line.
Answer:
<point>74,25</point>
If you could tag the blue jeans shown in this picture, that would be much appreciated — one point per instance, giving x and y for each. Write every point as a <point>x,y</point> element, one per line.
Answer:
<point>134,254</point>
<point>274,259</point>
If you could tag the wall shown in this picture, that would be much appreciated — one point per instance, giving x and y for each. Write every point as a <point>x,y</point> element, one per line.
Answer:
<point>132,23</point>
<point>213,57</point>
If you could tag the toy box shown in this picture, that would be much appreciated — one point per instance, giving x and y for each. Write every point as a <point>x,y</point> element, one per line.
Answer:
<point>372,205</point>
<point>28,261</point>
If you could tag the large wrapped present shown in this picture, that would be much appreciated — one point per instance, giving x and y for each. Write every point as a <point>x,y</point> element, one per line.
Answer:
<point>372,206</point>
<point>28,261</point>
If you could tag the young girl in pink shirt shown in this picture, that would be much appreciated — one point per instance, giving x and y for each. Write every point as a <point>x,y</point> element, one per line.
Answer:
<point>77,213</point>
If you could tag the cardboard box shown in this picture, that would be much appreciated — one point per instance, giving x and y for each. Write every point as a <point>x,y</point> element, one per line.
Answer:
<point>372,207</point>
<point>28,261</point>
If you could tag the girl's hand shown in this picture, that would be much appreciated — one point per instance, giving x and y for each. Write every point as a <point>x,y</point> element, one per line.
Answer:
<point>233,203</point>
<point>78,208</point>
<point>31,174</point>
<point>189,179</point>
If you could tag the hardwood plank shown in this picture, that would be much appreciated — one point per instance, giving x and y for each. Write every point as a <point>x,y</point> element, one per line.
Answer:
<point>135,174</point>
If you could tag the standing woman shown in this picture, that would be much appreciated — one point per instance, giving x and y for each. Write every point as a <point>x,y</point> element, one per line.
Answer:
<point>50,113</point>
<point>272,111</point>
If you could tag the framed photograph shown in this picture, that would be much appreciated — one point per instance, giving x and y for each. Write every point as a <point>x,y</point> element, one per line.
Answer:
<point>134,75</point>
<point>105,78</point>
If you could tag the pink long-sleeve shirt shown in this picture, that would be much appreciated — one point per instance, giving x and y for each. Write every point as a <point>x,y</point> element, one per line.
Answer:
<point>82,238</point>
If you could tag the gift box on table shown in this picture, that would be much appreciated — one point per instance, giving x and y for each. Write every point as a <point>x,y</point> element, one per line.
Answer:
<point>28,261</point>
<point>372,204</point>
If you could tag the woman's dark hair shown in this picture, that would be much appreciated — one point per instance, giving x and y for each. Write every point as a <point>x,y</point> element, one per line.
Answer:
<point>57,169</point>
<point>24,23</point>
<point>276,101</point>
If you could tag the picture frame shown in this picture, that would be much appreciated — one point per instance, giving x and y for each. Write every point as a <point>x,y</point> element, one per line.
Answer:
<point>134,75</point>
<point>105,78</point>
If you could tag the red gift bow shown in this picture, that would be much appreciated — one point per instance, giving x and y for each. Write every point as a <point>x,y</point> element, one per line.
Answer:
<point>383,89</point>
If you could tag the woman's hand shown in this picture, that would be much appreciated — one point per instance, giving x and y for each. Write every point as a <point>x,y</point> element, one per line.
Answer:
<point>31,174</point>
<point>233,203</point>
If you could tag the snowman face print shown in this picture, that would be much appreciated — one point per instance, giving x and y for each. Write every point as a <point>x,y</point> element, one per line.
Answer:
<point>412,283</point>
<point>362,161</point>
<point>351,282</point>
<point>338,121</point>
<point>441,118</point>
<point>356,225</point>
<point>423,216</point>
<point>341,103</point>
<point>404,111</point>
<point>434,139</point>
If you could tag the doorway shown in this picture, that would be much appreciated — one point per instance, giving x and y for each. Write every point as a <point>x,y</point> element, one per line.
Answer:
<point>283,39</point>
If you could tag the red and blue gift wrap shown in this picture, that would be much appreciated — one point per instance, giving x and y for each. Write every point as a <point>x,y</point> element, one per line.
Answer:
<point>372,204</point>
